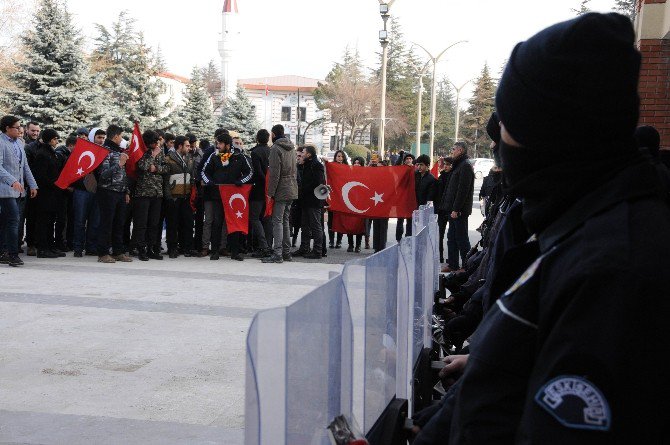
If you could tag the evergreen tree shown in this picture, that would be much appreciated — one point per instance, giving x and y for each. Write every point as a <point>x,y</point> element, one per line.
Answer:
<point>239,115</point>
<point>445,117</point>
<point>198,115</point>
<point>482,104</point>
<point>127,70</point>
<point>54,82</point>
<point>583,7</point>
<point>626,7</point>
<point>212,78</point>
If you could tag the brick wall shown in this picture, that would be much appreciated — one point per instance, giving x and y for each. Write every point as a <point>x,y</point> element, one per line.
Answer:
<point>655,83</point>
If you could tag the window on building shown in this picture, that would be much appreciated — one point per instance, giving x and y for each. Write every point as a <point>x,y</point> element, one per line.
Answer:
<point>286,114</point>
<point>302,113</point>
<point>333,142</point>
<point>300,140</point>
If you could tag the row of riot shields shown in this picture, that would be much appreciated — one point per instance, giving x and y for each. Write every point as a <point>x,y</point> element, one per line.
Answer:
<point>348,348</point>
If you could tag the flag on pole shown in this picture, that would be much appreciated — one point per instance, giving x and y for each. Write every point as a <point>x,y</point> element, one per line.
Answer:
<point>135,151</point>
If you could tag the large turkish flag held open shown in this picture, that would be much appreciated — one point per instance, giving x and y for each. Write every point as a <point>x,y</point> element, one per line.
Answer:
<point>85,157</point>
<point>372,192</point>
<point>135,151</point>
<point>235,202</point>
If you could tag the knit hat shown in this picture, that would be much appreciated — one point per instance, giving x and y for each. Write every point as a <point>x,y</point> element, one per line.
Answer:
<point>82,131</point>
<point>574,83</point>
<point>423,159</point>
<point>48,134</point>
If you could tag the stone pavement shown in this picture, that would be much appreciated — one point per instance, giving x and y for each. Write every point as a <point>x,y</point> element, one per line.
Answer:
<point>137,353</point>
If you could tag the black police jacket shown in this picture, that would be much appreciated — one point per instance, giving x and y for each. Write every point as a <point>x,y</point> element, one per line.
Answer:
<point>571,353</point>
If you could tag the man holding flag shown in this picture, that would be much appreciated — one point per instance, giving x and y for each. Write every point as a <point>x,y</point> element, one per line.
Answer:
<point>228,169</point>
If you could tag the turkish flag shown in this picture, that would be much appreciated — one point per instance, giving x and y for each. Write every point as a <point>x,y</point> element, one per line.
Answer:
<point>348,224</point>
<point>435,171</point>
<point>85,157</point>
<point>135,151</point>
<point>235,202</point>
<point>269,203</point>
<point>372,192</point>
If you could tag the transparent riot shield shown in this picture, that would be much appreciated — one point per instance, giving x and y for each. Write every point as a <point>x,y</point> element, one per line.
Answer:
<point>372,288</point>
<point>299,375</point>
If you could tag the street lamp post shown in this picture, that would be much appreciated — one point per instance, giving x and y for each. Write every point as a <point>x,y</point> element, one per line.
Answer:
<point>419,100</point>
<point>384,8</point>
<point>458,109</point>
<point>433,95</point>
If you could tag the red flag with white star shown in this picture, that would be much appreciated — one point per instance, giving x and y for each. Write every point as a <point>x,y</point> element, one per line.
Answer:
<point>235,202</point>
<point>372,192</point>
<point>135,151</point>
<point>85,157</point>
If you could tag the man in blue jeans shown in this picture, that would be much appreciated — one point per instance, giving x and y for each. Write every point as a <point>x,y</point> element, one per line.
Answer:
<point>14,175</point>
<point>457,203</point>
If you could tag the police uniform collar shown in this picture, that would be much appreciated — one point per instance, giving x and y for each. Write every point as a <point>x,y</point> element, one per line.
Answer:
<point>638,181</point>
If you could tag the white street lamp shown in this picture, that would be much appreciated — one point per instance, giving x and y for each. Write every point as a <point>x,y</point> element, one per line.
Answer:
<point>420,72</point>
<point>384,10</point>
<point>434,92</point>
<point>458,108</point>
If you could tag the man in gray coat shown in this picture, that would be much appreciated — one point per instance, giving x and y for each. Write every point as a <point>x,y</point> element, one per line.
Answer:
<point>15,174</point>
<point>282,189</point>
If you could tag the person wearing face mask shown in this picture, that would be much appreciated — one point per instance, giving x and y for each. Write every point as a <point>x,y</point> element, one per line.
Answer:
<point>590,283</point>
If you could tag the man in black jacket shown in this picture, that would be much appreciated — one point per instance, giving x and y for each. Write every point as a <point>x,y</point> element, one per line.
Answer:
<point>313,175</point>
<point>442,215</point>
<point>261,226</point>
<point>457,202</point>
<point>228,165</point>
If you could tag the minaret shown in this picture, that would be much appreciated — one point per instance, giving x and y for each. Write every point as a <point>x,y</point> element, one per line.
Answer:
<point>228,47</point>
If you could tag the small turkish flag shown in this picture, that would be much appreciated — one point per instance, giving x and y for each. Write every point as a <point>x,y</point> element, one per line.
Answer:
<point>135,151</point>
<point>435,171</point>
<point>269,203</point>
<point>235,202</point>
<point>85,157</point>
<point>372,192</point>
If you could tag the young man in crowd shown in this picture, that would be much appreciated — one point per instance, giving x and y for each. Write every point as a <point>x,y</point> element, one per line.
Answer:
<point>283,189</point>
<point>261,226</point>
<point>15,179</point>
<point>65,215</point>
<point>113,197</point>
<point>28,207</point>
<point>178,199</point>
<point>313,175</point>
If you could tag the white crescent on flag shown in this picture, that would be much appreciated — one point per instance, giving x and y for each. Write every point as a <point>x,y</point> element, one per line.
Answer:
<point>345,195</point>
<point>89,155</point>
<point>134,144</point>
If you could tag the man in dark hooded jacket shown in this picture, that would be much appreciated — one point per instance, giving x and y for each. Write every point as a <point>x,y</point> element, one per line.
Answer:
<point>571,352</point>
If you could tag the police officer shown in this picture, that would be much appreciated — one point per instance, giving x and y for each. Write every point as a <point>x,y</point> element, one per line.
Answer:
<point>570,352</point>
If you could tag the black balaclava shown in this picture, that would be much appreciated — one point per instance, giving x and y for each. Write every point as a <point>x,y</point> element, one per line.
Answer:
<point>648,137</point>
<point>493,130</point>
<point>569,97</point>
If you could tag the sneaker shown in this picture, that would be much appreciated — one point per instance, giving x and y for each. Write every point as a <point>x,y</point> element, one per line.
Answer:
<point>214,256</point>
<point>350,249</point>
<point>274,258</point>
<point>300,252</point>
<point>287,257</point>
<point>4,258</point>
<point>338,246</point>
<point>155,254</point>
<point>172,253</point>
<point>59,252</point>
<point>123,258</point>
<point>107,259</point>
<point>203,253</point>
<point>78,254</point>
<point>46,254</point>
<point>15,261</point>
<point>313,256</point>
<point>32,251</point>
<point>237,257</point>
<point>357,250</point>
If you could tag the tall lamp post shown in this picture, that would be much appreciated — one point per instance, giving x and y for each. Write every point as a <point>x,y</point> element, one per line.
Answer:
<point>433,97</point>
<point>420,72</point>
<point>458,108</point>
<point>384,8</point>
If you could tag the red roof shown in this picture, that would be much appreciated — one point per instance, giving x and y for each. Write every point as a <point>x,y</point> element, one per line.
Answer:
<point>230,6</point>
<point>167,75</point>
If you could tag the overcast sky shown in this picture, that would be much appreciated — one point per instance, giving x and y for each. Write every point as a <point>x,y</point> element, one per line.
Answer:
<point>305,37</point>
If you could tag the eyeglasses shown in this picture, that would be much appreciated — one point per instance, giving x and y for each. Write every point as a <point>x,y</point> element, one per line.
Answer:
<point>16,128</point>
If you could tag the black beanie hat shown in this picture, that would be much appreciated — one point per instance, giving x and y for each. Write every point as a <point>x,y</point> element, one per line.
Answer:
<point>48,134</point>
<point>575,81</point>
<point>493,127</point>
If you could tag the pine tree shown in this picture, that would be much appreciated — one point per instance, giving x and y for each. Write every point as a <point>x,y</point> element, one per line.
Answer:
<point>445,117</point>
<point>482,105</point>
<point>239,115</point>
<point>626,7</point>
<point>127,70</point>
<point>54,82</point>
<point>212,78</point>
<point>583,7</point>
<point>198,117</point>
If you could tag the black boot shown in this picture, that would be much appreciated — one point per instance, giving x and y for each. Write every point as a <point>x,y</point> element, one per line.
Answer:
<point>142,254</point>
<point>155,254</point>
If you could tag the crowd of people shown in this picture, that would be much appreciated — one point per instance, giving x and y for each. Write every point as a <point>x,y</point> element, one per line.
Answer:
<point>115,215</point>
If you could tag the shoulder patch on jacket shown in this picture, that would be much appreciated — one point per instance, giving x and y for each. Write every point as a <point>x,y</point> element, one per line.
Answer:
<point>575,403</point>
